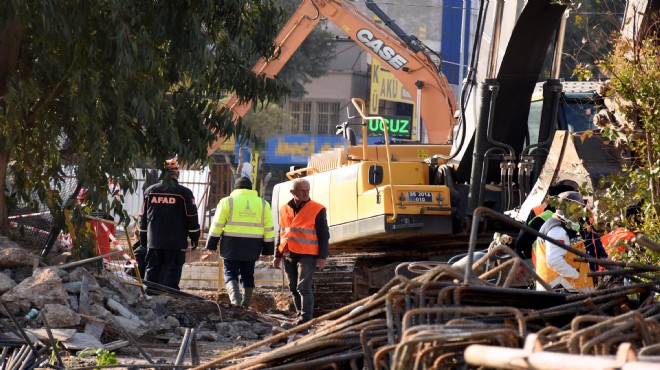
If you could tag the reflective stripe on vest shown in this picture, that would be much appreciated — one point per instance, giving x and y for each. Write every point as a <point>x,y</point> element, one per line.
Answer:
<point>298,233</point>
<point>242,220</point>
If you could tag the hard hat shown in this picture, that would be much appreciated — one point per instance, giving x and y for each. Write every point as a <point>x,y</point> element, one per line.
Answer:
<point>572,196</point>
<point>172,167</point>
<point>172,164</point>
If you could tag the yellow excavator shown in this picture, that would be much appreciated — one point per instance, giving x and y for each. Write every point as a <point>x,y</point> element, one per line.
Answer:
<point>390,203</point>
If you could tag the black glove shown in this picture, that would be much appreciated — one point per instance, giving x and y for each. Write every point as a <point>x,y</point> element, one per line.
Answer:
<point>212,243</point>
<point>193,244</point>
<point>268,248</point>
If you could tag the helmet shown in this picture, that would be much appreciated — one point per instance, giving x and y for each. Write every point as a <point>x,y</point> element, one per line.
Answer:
<point>572,196</point>
<point>172,164</point>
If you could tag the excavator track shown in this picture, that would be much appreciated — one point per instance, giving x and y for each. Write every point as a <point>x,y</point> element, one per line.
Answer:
<point>349,277</point>
<point>333,286</point>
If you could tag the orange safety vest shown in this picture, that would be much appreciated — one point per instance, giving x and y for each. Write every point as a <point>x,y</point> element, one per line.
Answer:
<point>615,241</point>
<point>545,272</point>
<point>539,209</point>
<point>298,232</point>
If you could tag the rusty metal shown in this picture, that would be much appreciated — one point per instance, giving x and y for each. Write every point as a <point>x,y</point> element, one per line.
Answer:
<point>434,320</point>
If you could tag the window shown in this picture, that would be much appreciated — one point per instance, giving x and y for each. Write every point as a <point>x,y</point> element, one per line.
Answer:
<point>327,116</point>
<point>301,112</point>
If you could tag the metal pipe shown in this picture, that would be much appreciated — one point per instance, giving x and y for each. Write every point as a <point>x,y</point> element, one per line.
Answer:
<point>418,111</point>
<point>495,37</point>
<point>461,58</point>
<point>559,47</point>
<point>183,349</point>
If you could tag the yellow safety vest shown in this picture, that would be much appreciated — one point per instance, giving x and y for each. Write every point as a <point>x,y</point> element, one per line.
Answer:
<point>243,214</point>
<point>550,276</point>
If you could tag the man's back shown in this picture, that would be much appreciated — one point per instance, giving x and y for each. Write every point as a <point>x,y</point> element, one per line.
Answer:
<point>169,215</point>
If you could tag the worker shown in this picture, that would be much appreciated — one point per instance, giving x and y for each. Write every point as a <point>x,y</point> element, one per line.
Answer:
<point>554,264</point>
<point>536,218</point>
<point>302,243</point>
<point>168,218</point>
<point>245,224</point>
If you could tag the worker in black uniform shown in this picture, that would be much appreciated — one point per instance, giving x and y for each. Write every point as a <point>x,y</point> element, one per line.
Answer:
<point>168,219</point>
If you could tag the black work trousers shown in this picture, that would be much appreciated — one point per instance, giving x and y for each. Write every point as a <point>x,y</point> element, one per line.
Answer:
<point>164,266</point>
<point>300,271</point>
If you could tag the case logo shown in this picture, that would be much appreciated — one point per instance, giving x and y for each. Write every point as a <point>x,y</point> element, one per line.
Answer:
<point>387,53</point>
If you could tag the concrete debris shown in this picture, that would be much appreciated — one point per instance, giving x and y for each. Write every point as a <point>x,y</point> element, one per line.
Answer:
<point>61,316</point>
<point>6,283</point>
<point>90,308</point>
<point>44,286</point>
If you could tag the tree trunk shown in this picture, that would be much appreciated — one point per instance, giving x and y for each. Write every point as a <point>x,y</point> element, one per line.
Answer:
<point>4,220</point>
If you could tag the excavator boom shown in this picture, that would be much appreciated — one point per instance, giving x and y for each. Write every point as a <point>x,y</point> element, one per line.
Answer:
<point>413,69</point>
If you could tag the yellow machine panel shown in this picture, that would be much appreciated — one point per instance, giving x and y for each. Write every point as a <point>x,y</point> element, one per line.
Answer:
<point>342,193</point>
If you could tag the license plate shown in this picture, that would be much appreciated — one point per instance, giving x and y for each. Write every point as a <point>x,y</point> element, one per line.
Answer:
<point>420,196</point>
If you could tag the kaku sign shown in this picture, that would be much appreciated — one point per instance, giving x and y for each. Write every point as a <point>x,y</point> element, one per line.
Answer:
<point>399,127</point>
<point>385,86</point>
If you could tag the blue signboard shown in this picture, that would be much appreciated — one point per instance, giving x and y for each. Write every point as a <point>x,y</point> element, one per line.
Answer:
<point>296,149</point>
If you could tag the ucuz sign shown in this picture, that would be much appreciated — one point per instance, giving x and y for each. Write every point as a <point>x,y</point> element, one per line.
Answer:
<point>397,127</point>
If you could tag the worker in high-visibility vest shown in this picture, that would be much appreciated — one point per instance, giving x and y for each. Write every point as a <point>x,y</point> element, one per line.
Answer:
<point>554,264</point>
<point>537,216</point>
<point>243,226</point>
<point>302,244</point>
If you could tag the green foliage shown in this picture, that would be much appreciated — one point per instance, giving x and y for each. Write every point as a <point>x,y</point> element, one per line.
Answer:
<point>109,85</point>
<point>634,69</point>
<point>105,357</point>
<point>266,122</point>
<point>310,60</point>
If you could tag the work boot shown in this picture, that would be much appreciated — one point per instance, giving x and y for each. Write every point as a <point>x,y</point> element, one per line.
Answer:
<point>234,292</point>
<point>247,296</point>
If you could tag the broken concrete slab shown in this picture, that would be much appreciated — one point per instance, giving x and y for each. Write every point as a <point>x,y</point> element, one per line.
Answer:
<point>135,328</point>
<point>44,286</point>
<point>117,307</point>
<point>6,283</point>
<point>60,335</point>
<point>61,316</point>
<point>94,328</point>
<point>82,341</point>
<point>17,257</point>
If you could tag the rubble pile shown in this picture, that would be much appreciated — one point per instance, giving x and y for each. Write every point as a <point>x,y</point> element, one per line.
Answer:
<point>435,316</point>
<point>82,308</point>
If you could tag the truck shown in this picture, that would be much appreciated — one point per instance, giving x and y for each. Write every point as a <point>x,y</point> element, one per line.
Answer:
<point>396,202</point>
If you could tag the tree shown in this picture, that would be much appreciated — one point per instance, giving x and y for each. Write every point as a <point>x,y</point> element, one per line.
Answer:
<point>269,121</point>
<point>312,58</point>
<point>109,83</point>
<point>634,92</point>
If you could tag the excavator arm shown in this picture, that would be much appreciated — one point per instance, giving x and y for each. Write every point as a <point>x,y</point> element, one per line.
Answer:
<point>413,69</point>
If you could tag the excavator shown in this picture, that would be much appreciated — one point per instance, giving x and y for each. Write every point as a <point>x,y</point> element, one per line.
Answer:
<point>390,203</point>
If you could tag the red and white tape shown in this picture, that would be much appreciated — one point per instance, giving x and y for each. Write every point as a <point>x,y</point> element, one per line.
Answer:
<point>32,228</point>
<point>116,244</point>
<point>28,215</point>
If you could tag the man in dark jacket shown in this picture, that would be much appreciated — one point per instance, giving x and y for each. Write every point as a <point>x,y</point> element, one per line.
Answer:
<point>245,224</point>
<point>168,219</point>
